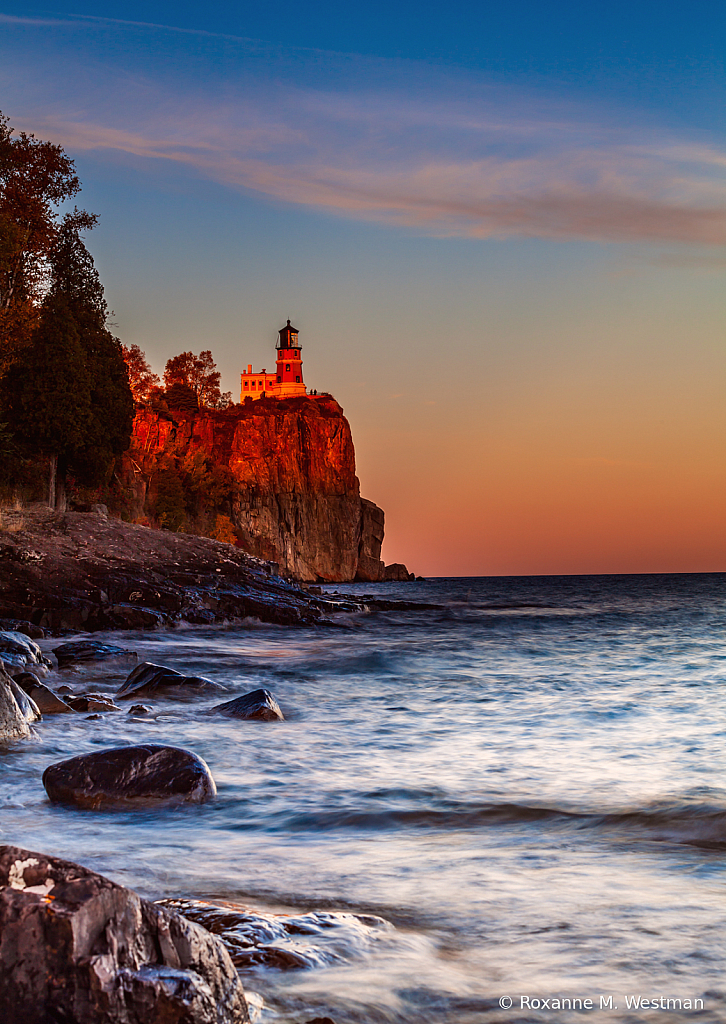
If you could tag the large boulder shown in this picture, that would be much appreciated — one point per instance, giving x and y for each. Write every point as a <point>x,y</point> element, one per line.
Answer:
<point>149,678</point>
<point>18,653</point>
<point>77,948</point>
<point>81,652</point>
<point>130,777</point>
<point>259,705</point>
<point>13,724</point>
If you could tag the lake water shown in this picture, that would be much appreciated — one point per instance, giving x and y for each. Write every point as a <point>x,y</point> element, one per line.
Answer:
<point>519,796</point>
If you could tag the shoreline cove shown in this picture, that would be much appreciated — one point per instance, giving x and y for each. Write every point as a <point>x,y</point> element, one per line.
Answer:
<point>501,786</point>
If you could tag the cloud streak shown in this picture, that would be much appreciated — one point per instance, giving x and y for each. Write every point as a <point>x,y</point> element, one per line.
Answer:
<point>445,158</point>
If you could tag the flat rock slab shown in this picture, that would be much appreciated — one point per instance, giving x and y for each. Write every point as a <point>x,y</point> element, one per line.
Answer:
<point>259,705</point>
<point>149,678</point>
<point>80,652</point>
<point>130,777</point>
<point>76,947</point>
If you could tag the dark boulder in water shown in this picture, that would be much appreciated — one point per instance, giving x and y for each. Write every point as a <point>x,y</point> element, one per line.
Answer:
<point>83,651</point>
<point>13,724</point>
<point>259,705</point>
<point>150,678</point>
<point>125,777</point>
<point>76,947</point>
<point>49,703</point>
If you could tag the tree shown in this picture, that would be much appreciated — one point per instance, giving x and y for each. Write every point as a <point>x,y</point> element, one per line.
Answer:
<point>197,372</point>
<point>142,380</point>
<point>48,394</point>
<point>35,179</point>
<point>68,393</point>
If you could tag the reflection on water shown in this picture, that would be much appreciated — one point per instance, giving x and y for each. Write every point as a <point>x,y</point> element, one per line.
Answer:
<point>527,785</point>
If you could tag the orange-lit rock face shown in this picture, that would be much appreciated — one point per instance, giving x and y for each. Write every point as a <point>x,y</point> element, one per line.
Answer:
<point>293,497</point>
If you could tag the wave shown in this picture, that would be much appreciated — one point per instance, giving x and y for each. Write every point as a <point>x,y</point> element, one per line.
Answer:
<point>695,824</point>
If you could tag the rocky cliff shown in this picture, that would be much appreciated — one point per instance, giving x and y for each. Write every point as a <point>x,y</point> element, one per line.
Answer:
<point>275,477</point>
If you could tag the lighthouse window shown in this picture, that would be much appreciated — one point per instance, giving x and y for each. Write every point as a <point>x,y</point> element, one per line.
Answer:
<point>297,380</point>
<point>279,379</point>
<point>287,367</point>
<point>247,384</point>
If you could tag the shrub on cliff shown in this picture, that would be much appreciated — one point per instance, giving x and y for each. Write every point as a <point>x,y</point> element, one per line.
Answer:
<point>169,506</point>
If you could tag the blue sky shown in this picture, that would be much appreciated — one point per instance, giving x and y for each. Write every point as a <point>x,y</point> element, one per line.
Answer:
<point>500,229</point>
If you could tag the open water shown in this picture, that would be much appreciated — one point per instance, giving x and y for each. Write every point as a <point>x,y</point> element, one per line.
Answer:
<point>518,796</point>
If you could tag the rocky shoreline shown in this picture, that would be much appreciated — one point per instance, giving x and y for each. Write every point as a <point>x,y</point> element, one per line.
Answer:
<point>86,571</point>
<point>74,945</point>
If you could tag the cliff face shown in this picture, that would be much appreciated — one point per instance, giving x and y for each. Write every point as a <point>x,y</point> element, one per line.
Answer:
<point>279,474</point>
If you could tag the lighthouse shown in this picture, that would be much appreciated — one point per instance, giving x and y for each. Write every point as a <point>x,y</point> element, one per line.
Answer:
<point>289,364</point>
<point>287,382</point>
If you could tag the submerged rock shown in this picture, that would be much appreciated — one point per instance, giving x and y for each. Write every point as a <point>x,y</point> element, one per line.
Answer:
<point>13,725</point>
<point>49,703</point>
<point>18,653</point>
<point>150,678</point>
<point>259,705</point>
<point>83,651</point>
<point>139,709</point>
<point>125,777</point>
<point>286,942</point>
<point>76,947</point>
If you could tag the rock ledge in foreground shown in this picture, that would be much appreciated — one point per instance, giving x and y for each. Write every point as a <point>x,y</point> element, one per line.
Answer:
<point>76,947</point>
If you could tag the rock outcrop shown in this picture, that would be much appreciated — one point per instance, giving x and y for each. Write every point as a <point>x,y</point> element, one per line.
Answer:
<point>90,572</point>
<point>76,947</point>
<point>279,474</point>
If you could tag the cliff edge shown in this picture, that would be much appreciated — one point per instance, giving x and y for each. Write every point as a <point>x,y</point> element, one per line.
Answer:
<point>276,477</point>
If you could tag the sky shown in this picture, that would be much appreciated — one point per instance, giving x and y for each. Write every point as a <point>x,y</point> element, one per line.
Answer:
<point>500,230</point>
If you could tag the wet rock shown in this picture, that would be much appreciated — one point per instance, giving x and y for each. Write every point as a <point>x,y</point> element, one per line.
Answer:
<point>286,942</point>
<point>77,948</point>
<point>131,616</point>
<point>259,705</point>
<point>150,678</point>
<point>13,725</point>
<point>49,703</point>
<point>93,702</point>
<point>19,653</point>
<point>139,709</point>
<point>21,626</point>
<point>81,652</point>
<point>28,708</point>
<point>125,777</point>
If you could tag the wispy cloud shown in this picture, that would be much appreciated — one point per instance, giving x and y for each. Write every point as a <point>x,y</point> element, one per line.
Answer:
<point>446,159</point>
